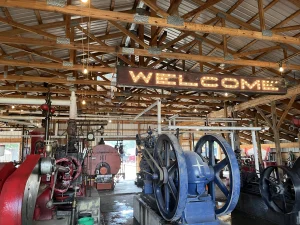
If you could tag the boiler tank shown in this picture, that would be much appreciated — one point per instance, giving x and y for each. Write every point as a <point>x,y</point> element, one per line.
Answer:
<point>103,164</point>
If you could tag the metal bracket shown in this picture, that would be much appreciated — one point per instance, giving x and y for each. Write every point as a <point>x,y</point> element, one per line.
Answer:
<point>268,33</point>
<point>284,46</point>
<point>141,19</point>
<point>63,41</point>
<point>128,51</point>
<point>199,38</point>
<point>73,89</point>
<point>19,72</point>
<point>229,57</point>
<point>113,83</point>
<point>154,50</point>
<point>73,23</point>
<point>71,78</point>
<point>221,15</point>
<point>58,3</point>
<point>68,64</point>
<point>175,20</point>
<point>140,11</point>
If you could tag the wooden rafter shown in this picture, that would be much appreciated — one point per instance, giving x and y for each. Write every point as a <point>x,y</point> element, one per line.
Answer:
<point>117,16</point>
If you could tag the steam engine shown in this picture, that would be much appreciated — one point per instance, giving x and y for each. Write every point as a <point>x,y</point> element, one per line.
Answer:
<point>103,164</point>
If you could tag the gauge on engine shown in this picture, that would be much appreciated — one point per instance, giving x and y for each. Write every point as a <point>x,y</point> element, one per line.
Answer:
<point>90,136</point>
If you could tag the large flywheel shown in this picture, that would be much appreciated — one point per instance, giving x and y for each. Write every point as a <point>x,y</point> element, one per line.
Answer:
<point>279,188</point>
<point>171,189</point>
<point>206,149</point>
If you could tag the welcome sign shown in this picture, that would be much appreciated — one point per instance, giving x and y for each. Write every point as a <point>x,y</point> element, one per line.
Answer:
<point>140,77</point>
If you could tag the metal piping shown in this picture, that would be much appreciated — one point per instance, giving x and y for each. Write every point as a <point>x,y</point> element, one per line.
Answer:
<point>32,101</point>
<point>207,128</point>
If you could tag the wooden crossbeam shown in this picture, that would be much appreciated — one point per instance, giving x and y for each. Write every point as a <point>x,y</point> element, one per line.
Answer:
<point>27,28</point>
<point>286,111</point>
<point>264,116</point>
<point>144,52</point>
<point>96,93</point>
<point>55,66</point>
<point>117,16</point>
<point>52,80</point>
<point>267,99</point>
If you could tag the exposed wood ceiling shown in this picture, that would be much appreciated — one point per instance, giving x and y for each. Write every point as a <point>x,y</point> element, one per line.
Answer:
<point>37,39</point>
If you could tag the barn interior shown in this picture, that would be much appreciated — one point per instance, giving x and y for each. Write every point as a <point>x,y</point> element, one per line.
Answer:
<point>149,112</point>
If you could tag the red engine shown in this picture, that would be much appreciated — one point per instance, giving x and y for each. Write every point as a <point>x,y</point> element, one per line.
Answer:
<point>103,163</point>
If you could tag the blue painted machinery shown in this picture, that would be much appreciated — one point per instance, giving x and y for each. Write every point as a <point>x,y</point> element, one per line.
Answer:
<point>186,183</point>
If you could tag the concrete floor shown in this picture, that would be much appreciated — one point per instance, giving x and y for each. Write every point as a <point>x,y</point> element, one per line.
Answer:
<point>117,208</point>
<point>117,205</point>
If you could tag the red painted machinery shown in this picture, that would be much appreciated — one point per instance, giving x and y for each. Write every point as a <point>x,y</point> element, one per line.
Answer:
<point>103,164</point>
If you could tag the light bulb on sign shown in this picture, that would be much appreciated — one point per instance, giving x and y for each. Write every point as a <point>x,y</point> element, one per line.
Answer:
<point>109,121</point>
<point>226,94</point>
<point>12,106</point>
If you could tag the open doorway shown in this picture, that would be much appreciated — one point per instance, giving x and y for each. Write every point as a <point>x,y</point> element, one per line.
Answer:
<point>11,152</point>
<point>128,158</point>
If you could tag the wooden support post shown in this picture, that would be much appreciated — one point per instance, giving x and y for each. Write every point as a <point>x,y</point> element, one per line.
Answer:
<point>237,141</point>
<point>260,159</point>
<point>261,15</point>
<point>201,53</point>
<point>141,37</point>
<point>224,39</point>
<point>138,158</point>
<point>286,111</point>
<point>226,124</point>
<point>276,134</point>
<point>191,141</point>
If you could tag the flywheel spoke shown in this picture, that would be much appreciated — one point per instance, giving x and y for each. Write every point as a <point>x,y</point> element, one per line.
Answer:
<point>172,188</point>
<point>167,153</point>
<point>211,153</point>
<point>167,197</point>
<point>221,185</point>
<point>219,166</point>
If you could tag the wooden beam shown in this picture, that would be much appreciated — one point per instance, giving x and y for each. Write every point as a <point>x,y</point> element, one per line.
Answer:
<point>261,14</point>
<point>52,80</point>
<point>97,93</point>
<point>27,28</point>
<point>285,29</point>
<point>144,52</point>
<point>129,18</point>
<point>276,134</point>
<point>55,66</point>
<point>130,34</point>
<point>201,8</point>
<point>267,99</point>
<point>286,111</point>
<point>282,145</point>
<point>264,116</point>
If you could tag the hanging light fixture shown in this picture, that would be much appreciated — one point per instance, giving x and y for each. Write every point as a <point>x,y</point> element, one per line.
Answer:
<point>85,71</point>
<point>226,94</point>
<point>84,1</point>
<point>12,106</point>
<point>280,67</point>
<point>83,102</point>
